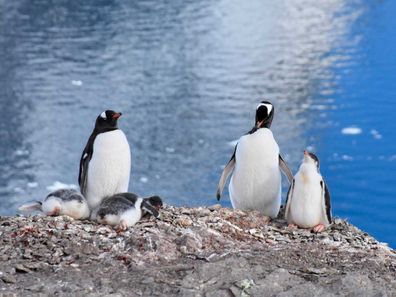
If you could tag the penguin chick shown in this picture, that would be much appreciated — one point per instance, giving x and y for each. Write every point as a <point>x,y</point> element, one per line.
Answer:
<point>67,202</point>
<point>105,163</point>
<point>308,199</point>
<point>124,210</point>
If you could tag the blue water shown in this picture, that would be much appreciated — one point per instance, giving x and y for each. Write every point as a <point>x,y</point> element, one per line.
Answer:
<point>187,76</point>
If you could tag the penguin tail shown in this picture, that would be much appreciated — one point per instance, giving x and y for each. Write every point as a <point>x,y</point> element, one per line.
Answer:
<point>30,207</point>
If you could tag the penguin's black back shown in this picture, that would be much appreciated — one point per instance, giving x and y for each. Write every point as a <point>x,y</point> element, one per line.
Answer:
<point>67,195</point>
<point>114,205</point>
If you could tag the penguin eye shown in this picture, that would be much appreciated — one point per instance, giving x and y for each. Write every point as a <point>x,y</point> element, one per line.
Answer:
<point>103,115</point>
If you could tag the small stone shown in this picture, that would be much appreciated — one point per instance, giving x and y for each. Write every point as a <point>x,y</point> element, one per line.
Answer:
<point>8,278</point>
<point>19,268</point>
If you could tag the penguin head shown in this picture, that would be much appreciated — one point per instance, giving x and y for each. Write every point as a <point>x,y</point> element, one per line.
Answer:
<point>155,201</point>
<point>264,114</point>
<point>310,158</point>
<point>107,120</point>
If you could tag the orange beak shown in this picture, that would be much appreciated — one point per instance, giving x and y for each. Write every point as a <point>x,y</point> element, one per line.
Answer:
<point>117,115</point>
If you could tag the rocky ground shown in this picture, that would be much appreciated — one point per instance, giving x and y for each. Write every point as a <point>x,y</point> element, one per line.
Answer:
<point>191,252</point>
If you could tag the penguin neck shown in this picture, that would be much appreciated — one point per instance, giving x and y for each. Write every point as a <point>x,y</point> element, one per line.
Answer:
<point>255,129</point>
<point>308,168</point>
<point>97,131</point>
<point>138,203</point>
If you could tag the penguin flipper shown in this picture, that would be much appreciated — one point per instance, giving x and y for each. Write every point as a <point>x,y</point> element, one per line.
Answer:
<point>326,197</point>
<point>226,172</point>
<point>286,170</point>
<point>289,197</point>
<point>29,207</point>
<point>83,172</point>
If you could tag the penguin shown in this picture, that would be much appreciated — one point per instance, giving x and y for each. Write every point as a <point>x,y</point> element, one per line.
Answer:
<point>256,163</point>
<point>68,202</point>
<point>125,209</point>
<point>105,163</point>
<point>308,198</point>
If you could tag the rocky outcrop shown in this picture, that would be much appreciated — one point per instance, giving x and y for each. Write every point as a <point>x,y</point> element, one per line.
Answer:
<point>191,252</point>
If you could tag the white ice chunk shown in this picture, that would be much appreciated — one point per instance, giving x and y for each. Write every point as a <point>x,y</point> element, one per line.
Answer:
<point>170,149</point>
<point>351,131</point>
<point>347,158</point>
<point>143,179</point>
<point>375,134</point>
<point>32,185</point>
<point>233,143</point>
<point>76,83</point>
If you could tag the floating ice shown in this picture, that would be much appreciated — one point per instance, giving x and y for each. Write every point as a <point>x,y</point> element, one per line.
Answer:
<point>347,158</point>
<point>310,148</point>
<point>18,190</point>
<point>233,143</point>
<point>76,82</point>
<point>59,185</point>
<point>21,152</point>
<point>143,179</point>
<point>170,149</point>
<point>351,131</point>
<point>375,134</point>
<point>32,185</point>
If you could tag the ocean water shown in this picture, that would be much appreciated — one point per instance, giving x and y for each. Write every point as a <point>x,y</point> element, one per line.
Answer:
<point>187,76</point>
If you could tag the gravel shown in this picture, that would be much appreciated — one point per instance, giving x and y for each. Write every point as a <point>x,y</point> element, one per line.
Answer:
<point>210,251</point>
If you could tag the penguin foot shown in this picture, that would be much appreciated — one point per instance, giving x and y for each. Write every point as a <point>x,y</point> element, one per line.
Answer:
<point>266,219</point>
<point>292,226</point>
<point>55,212</point>
<point>319,228</point>
<point>122,226</point>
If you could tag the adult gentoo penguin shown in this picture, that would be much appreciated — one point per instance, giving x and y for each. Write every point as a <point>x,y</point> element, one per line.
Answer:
<point>256,181</point>
<point>308,199</point>
<point>106,160</point>
<point>67,202</point>
<point>125,209</point>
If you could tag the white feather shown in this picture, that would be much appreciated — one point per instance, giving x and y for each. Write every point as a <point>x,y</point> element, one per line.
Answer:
<point>256,181</point>
<point>307,203</point>
<point>72,208</point>
<point>109,168</point>
<point>103,115</point>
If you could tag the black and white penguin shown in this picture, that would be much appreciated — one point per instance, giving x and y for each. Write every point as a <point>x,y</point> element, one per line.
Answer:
<point>106,160</point>
<point>67,202</point>
<point>308,199</point>
<point>125,209</point>
<point>256,162</point>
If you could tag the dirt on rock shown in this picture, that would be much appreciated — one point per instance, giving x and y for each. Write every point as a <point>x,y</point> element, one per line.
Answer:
<point>210,251</point>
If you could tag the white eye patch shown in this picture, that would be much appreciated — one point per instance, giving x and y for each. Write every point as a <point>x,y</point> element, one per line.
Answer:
<point>103,115</point>
<point>269,106</point>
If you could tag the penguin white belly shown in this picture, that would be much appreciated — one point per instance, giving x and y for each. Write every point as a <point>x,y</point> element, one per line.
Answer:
<point>256,181</point>
<point>306,206</point>
<point>72,208</point>
<point>109,167</point>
